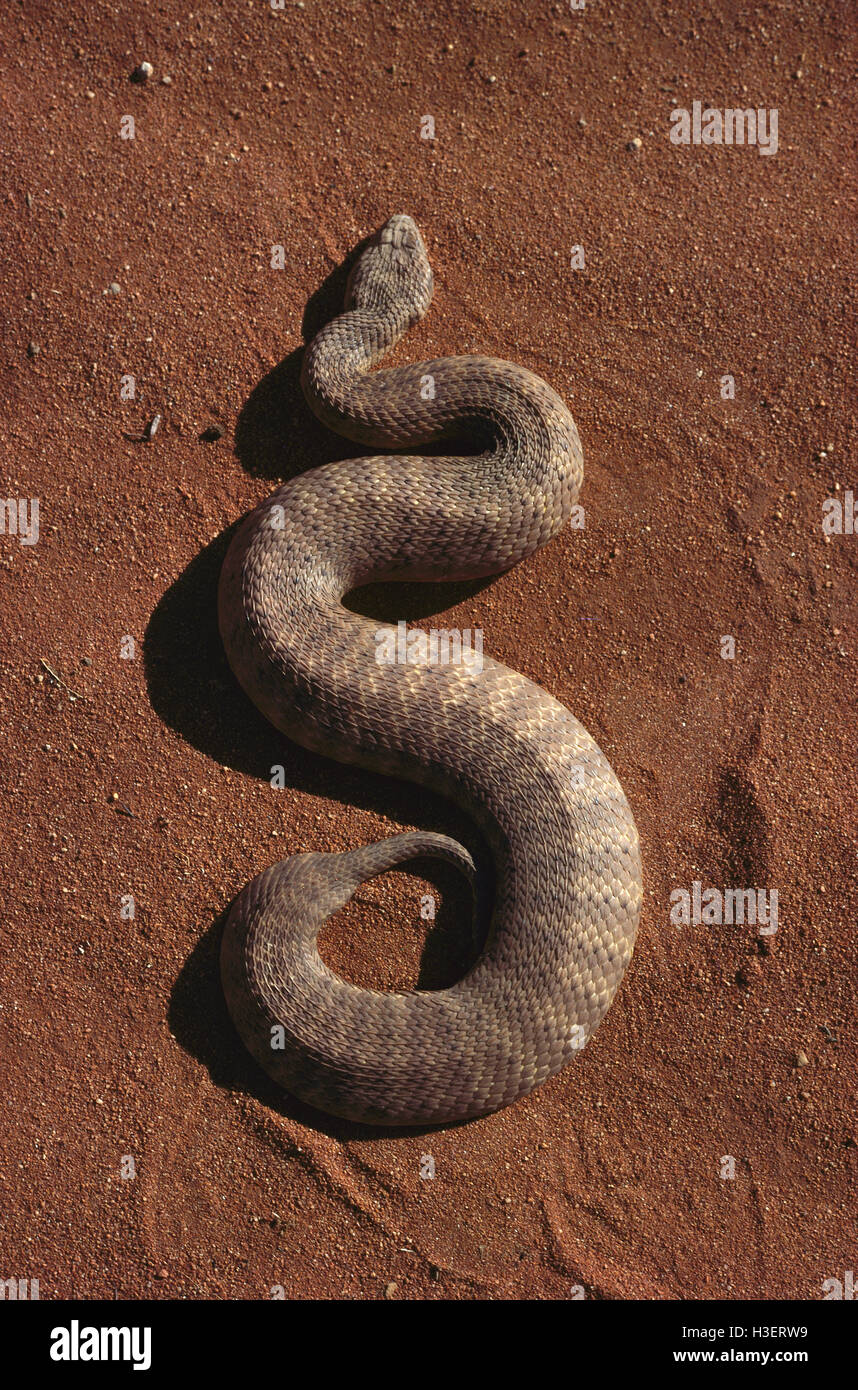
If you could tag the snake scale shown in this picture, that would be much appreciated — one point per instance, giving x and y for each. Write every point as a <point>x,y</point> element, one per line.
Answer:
<point>563,843</point>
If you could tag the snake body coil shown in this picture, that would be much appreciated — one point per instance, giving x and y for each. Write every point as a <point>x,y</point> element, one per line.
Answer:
<point>563,841</point>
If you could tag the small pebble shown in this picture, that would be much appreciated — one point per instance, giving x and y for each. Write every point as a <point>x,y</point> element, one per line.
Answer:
<point>142,73</point>
<point>390,1290</point>
<point>152,428</point>
<point>635,144</point>
<point>114,288</point>
<point>166,80</point>
<point>802,1059</point>
<point>33,349</point>
<point>86,661</point>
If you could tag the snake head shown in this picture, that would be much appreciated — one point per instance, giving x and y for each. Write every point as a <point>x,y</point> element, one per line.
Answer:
<point>393,273</point>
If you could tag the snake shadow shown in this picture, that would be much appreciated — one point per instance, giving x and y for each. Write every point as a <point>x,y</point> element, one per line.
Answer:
<point>192,689</point>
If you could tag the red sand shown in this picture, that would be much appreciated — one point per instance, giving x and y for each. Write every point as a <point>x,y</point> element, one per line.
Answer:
<point>703,519</point>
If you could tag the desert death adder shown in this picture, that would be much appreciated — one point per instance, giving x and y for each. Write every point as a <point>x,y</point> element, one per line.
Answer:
<point>563,842</point>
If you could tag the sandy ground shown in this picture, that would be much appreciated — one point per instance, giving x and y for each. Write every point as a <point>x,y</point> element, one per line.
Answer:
<point>142,770</point>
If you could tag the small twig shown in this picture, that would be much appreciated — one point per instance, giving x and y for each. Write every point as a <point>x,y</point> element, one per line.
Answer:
<point>59,680</point>
<point>148,433</point>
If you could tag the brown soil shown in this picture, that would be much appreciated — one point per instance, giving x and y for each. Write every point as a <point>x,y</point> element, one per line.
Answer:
<point>302,128</point>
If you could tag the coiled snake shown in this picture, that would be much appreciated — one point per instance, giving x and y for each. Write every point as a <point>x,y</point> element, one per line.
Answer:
<point>562,838</point>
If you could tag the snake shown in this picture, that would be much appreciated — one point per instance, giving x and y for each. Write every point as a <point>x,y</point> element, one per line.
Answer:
<point>562,846</point>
